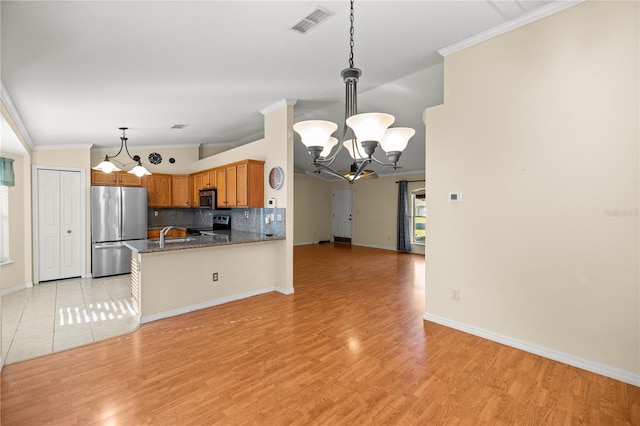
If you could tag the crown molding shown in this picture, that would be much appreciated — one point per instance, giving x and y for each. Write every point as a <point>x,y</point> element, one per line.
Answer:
<point>60,147</point>
<point>278,105</point>
<point>147,147</point>
<point>508,26</point>
<point>13,112</point>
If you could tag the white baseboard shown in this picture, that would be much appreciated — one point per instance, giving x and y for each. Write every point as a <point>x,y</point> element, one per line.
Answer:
<point>594,367</point>
<point>15,288</point>
<point>285,291</point>
<point>305,243</point>
<point>208,304</point>
<point>373,246</point>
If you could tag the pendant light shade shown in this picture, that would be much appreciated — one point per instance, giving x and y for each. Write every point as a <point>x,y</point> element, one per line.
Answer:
<point>106,166</point>
<point>370,126</point>
<point>139,170</point>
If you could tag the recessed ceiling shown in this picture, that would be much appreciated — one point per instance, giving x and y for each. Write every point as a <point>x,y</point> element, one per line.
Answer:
<point>78,70</point>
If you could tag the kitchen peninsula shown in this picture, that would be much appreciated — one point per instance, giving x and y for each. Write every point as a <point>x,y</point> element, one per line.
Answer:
<point>193,273</point>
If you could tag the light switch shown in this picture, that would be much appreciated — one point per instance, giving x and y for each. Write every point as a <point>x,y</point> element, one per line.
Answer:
<point>455,197</point>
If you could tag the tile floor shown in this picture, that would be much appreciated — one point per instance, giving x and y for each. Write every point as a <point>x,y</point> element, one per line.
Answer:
<point>59,315</point>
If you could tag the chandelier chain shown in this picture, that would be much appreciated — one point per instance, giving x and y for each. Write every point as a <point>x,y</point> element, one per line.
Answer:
<point>351,32</point>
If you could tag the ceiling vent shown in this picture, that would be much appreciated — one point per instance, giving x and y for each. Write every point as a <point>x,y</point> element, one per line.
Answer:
<point>179,126</point>
<point>313,18</point>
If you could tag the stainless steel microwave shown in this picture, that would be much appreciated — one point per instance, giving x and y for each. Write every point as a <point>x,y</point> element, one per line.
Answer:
<point>207,199</point>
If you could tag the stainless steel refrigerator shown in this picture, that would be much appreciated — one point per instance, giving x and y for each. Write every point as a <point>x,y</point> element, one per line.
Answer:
<point>118,214</point>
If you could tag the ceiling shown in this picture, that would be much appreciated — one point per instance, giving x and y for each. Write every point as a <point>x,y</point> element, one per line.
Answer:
<point>77,71</point>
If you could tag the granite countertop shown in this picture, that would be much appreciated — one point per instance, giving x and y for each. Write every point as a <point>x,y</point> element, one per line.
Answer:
<point>221,238</point>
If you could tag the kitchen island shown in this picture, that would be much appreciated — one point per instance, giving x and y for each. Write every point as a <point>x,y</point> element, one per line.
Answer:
<point>220,238</point>
<point>201,271</point>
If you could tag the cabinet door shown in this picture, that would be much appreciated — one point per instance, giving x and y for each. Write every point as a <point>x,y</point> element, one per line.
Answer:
<point>180,191</point>
<point>221,181</point>
<point>242,179</point>
<point>128,179</point>
<point>153,234</point>
<point>213,181</point>
<point>158,189</point>
<point>206,183</point>
<point>196,184</point>
<point>100,178</point>
<point>232,192</point>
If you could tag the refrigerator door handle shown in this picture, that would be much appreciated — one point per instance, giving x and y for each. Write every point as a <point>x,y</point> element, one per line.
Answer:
<point>107,245</point>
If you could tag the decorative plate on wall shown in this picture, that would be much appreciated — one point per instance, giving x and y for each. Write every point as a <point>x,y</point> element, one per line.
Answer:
<point>276,177</point>
<point>155,158</point>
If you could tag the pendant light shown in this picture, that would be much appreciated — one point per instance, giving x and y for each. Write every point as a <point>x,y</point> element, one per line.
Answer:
<point>361,133</point>
<point>107,166</point>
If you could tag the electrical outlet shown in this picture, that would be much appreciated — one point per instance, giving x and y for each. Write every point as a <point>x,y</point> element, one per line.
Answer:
<point>155,213</point>
<point>246,214</point>
<point>215,276</point>
<point>455,293</point>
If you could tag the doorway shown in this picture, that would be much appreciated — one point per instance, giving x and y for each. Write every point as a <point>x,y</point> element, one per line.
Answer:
<point>342,213</point>
<point>59,223</point>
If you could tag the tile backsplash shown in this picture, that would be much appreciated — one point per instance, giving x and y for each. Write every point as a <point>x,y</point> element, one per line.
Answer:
<point>250,219</point>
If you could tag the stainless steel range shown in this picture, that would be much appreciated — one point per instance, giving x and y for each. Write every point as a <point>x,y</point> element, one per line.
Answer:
<point>220,223</point>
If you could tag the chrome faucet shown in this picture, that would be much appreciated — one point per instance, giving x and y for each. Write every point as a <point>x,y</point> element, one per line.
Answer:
<point>164,233</point>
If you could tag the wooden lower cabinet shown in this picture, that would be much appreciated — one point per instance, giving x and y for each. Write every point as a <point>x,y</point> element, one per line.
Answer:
<point>154,234</point>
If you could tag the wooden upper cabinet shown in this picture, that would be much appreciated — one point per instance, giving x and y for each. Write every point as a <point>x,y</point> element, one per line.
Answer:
<point>241,184</point>
<point>128,179</point>
<point>158,190</point>
<point>199,181</point>
<point>221,182</point>
<point>114,179</point>
<point>180,191</point>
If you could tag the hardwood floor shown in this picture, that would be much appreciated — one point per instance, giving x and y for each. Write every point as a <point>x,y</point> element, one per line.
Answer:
<point>350,347</point>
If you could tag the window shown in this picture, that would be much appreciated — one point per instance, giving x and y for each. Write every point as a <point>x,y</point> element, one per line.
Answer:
<point>4,224</point>
<point>418,216</point>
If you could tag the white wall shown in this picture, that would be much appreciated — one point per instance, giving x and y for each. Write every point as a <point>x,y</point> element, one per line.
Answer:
<point>375,206</point>
<point>539,130</point>
<point>313,209</point>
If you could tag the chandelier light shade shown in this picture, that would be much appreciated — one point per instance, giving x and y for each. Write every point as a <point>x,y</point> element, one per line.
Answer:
<point>371,126</point>
<point>315,132</point>
<point>396,139</point>
<point>107,165</point>
<point>354,151</point>
<point>361,133</point>
<point>327,149</point>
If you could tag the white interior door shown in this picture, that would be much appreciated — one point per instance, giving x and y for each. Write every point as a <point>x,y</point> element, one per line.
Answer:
<point>59,224</point>
<point>342,207</point>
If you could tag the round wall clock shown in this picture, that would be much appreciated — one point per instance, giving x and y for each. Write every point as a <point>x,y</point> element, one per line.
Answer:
<point>276,177</point>
<point>155,158</point>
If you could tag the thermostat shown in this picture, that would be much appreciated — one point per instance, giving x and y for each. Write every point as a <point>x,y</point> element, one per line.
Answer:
<point>455,197</point>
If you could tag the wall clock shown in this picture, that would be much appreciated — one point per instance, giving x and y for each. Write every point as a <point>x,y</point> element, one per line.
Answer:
<point>155,158</point>
<point>276,177</point>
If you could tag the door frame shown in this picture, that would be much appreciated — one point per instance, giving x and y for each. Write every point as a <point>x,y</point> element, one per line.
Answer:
<point>34,217</point>
<point>333,192</point>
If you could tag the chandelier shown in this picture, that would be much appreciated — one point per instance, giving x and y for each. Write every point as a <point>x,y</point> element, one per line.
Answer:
<point>107,165</point>
<point>361,133</point>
